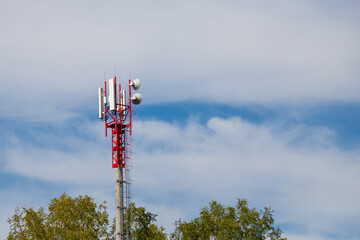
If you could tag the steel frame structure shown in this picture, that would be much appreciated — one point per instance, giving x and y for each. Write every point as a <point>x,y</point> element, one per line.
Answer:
<point>120,123</point>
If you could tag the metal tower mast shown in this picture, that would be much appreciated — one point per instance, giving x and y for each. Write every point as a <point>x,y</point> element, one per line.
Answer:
<point>117,113</point>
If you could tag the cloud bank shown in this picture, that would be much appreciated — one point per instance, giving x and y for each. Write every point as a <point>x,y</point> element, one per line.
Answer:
<point>235,52</point>
<point>298,171</point>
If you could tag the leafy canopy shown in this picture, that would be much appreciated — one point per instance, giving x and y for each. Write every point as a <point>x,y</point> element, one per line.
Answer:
<point>68,218</point>
<point>80,218</point>
<point>227,223</point>
<point>141,224</point>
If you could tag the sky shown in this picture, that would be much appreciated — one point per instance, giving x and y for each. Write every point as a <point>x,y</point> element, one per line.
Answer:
<point>241,99</point>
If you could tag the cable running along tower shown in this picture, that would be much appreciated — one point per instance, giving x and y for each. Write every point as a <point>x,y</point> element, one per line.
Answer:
<point>117,115</point>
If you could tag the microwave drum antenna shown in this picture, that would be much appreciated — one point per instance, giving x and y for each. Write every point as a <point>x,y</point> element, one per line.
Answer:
<point>136,98</point>
<point>135,84</point>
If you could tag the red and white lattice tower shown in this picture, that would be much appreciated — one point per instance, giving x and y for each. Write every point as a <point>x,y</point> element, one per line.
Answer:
<point>116,110</point>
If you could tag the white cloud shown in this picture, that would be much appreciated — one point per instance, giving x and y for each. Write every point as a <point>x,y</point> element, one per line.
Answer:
<point>54,54</point>
<point>298,171</point>
<point>62,157</point>
<point>308,182</point>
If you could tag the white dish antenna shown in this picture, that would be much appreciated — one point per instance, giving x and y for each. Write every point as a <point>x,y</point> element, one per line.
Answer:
<point>136,98</point>
<point>135,84</point>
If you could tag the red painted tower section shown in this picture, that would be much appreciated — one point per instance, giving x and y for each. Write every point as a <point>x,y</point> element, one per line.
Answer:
<point>120,123</point>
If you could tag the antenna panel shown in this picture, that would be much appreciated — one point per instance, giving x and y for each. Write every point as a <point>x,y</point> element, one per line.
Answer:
<point>112,95</point>
<point>101,103</point>
<point>123,105</point>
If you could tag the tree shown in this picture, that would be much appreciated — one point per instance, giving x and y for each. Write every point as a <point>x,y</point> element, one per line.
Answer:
<point>140,224</point>
<point>28,224</point>
<point>219,222</point>
<point>68,218</point>
<point>80,218</point>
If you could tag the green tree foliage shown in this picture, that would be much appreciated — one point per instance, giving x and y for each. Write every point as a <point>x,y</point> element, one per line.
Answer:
<point>27,224</point>
<point>219,222</point>
<point>68,218</point>
<point>80,218</point>
<point>140,224</point>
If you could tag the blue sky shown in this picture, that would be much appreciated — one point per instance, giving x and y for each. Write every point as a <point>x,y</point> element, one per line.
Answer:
<point>242,99</point>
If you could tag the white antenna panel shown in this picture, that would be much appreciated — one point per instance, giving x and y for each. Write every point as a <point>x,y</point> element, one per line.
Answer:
<point>101,103</point>
<point>123,103</point>
<point>112,95</point>
<point>123,106</point>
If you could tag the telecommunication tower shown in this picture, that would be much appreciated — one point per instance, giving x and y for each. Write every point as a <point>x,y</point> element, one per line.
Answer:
<point>117,114</point>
